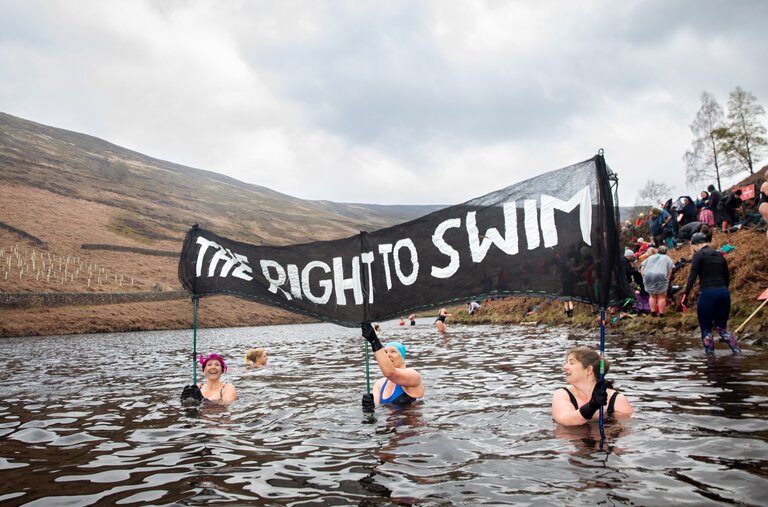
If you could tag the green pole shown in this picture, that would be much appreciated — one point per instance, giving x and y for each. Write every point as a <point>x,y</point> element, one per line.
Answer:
<point>367,371</point>
<point>194,342</point>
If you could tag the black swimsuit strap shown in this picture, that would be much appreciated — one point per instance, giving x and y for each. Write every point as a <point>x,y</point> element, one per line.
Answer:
<point>572,397</point>
<point>611,402</point>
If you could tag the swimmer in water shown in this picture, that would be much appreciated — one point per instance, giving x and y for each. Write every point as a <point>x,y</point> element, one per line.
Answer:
<point>400,385</point>
<point>580,401</point>
<point>440,321</point>
<point>256,358</point>
<point>213,389</point>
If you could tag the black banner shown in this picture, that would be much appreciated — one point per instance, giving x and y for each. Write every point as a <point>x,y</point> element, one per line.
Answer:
<point>554,235</point>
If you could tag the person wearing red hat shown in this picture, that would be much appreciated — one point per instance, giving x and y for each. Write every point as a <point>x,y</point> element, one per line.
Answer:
<point>213,389</point>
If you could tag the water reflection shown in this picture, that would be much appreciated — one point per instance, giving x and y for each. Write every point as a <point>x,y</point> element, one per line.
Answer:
<point>97,420</point>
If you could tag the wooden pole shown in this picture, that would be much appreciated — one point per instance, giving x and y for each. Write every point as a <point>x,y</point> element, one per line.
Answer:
<point>750,317</point>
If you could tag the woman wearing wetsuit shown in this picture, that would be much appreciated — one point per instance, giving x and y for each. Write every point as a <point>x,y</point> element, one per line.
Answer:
<point>400,385</point>
<point>714,304</point>
<point>578,403</point>
<point>213,389</point>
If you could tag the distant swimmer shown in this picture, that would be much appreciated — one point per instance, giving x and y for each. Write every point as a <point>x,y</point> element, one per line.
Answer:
<point>412,318</point>
<point>399,385</point>
<point>213,389</point>
<point>256,358</point>
<point>578,403</point>
<point>440,321</point>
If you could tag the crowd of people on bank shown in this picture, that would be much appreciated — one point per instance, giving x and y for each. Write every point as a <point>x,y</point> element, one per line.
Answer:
<point>650,271</point>
<point>674,222</point>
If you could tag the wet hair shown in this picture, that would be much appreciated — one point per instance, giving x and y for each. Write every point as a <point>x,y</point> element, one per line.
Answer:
<point>253,355</point>
<point>589,357</point>
<point>662,249</point>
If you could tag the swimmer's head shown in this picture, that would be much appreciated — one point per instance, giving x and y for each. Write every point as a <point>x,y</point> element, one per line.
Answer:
<point>253,355</point>
<point>588,357</point>
<point>204,360</point>
<point>399,346</point>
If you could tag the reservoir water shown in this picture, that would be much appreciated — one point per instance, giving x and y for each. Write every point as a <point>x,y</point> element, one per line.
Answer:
<point>96,420</point>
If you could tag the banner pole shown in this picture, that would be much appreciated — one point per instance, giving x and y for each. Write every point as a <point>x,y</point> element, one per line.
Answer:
<point>368,400</point>
<point>602,368</point>
<point>366,290</point>
<point>195,299</point>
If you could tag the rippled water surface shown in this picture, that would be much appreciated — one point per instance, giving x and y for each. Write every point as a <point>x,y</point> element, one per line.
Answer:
<point>96,420</point>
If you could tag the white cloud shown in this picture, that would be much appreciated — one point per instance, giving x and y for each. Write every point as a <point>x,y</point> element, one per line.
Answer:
<point>396,102</point>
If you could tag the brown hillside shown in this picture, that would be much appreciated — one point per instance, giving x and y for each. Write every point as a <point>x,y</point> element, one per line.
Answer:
<point>68,190</point>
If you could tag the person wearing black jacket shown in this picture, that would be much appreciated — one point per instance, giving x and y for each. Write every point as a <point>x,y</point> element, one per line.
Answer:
<point>714,304</point>
<point>714,201</point>
<point>729,205</point>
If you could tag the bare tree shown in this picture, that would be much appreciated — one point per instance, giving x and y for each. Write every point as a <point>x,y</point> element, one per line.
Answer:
<point>652,194</point>
<point>706,158</point>
<point>746,142</point>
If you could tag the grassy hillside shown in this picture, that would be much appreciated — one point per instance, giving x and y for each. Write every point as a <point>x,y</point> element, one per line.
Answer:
<point>60,190</point>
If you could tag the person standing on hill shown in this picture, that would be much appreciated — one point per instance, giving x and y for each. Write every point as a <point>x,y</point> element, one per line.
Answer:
<point>762,202</point>
<point>729,205</point>
<point>714,203</point>
<point>662,225</point>
<point>714,305</point>
<point>657,270</point>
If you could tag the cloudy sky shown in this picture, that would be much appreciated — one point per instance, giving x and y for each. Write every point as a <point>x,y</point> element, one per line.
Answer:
<point>396,102</point>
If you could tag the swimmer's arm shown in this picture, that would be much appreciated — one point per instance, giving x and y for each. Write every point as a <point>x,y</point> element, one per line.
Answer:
<point>230,393</point>
<point>405,377</point>
<point>563,411</point>
<point>384,362</point>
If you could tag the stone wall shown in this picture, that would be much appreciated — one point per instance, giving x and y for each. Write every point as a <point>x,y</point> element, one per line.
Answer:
<point>117,248</point>
<point>37,241</point>
<point>51,299</point>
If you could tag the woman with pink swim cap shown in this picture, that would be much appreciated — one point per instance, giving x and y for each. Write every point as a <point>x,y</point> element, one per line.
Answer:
<point>213,389</point>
